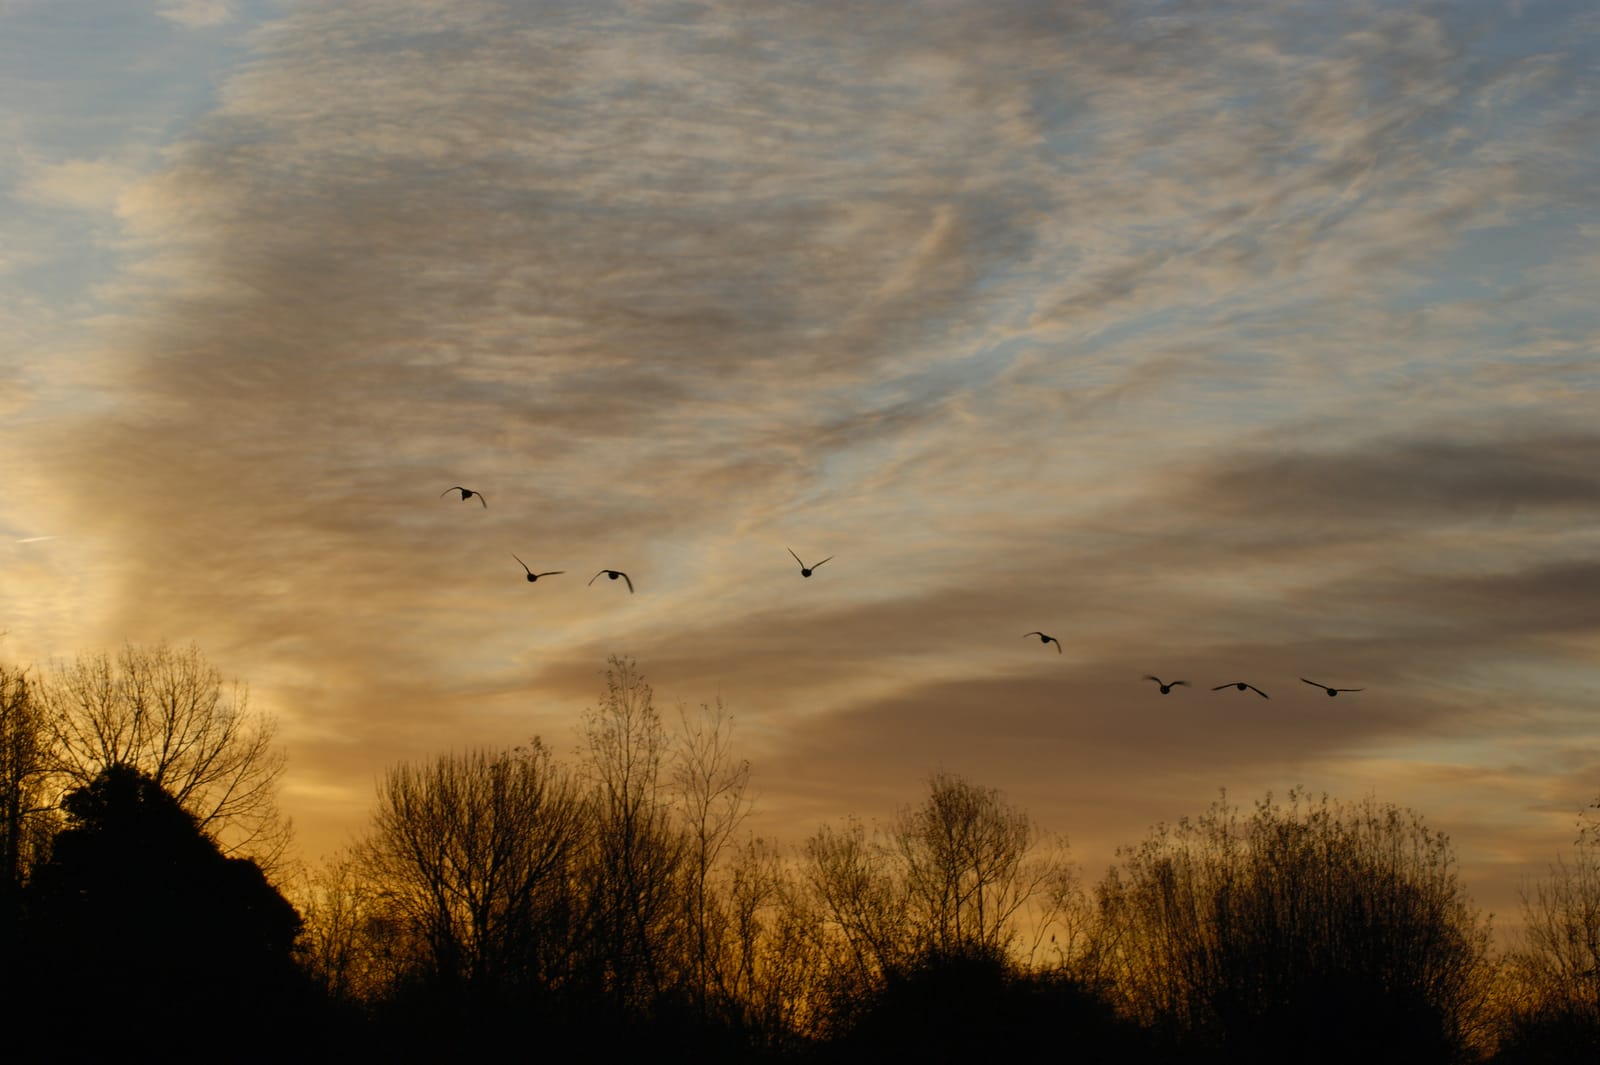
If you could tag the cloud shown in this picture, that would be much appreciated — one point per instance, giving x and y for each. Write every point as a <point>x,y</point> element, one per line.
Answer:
<point>14,395</point>
<point>195,14</point>
<point>78,184</point>
<point>1226,343</point>
<point>1405,479</point>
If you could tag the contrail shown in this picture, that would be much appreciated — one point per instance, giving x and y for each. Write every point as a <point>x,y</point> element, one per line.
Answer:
<point>35,539</point>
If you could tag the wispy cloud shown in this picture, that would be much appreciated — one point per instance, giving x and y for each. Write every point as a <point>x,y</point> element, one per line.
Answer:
<point>195,14</point>
<point>1250,340</point>
<point>82,184</point>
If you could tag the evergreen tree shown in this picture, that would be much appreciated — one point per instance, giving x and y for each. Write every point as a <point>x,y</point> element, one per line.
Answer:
<point>139,937</point>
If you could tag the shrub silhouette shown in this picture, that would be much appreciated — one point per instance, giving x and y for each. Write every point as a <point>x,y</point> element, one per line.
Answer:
<point>1555,1017</point>
<point>974,1004</point>
<point>1316,933</point>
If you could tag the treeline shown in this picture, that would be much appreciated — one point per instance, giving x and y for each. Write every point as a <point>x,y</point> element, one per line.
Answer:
<point>616,905</point>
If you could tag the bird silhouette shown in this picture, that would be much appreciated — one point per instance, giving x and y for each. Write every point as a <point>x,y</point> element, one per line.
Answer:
<point>805,570</point>
<point>1042,637</point>
<point>1241,685</point>
<point>532,576</point>
<point>1332,691</point>
<point>466,494</point>
<point>1163,685</point>
<point>614,574</point>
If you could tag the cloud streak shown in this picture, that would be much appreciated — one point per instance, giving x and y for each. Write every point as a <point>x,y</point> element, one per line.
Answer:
<point>1245,341</point>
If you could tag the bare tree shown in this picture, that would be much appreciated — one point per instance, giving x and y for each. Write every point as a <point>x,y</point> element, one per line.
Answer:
<point>168,713</point>
<point>1555,969</point>
<point>348,945</point>
<point>866,907</point>
<point>26,811</point>
<point>1062,911</point>
<point>1561,932</point>
<point>711,785</point>
<point>472,860</point>
<point>962,877</point>
<point>779,964</point>
<point>967,857</point>
<point>950,875</point>
<point>1316,932</point>
<point>632,868</point>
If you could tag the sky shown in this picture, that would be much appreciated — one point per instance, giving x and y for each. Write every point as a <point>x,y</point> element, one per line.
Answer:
<point>1222,342</point>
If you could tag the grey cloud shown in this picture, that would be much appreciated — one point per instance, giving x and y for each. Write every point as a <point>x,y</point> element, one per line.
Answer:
<point>1466,615</point>
<point>665,280</point>
<point>1405,479</point>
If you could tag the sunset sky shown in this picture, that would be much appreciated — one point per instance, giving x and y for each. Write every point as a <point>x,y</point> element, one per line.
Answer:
<point>1248,341</point>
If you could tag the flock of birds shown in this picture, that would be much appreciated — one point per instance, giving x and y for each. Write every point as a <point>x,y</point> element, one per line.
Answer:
<point>806,571</point>
<point>1166,686</point>
<point>611,574</point>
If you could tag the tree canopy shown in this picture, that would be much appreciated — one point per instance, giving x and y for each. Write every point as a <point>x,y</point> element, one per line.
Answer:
<point>139,918</point>
<point>1316,931</point>
<point>168,712</point>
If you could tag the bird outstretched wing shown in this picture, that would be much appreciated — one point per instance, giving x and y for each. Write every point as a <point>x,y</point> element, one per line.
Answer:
<point>614,574</point>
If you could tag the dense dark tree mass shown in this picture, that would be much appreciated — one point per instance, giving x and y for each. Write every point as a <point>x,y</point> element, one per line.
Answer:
<point>613,908</point>
<point>139,922</point>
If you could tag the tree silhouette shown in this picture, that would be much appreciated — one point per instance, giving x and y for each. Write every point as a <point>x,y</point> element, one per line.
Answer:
<point>471,861</point>
<point>1556,967</point>
<point>778,950</point>
<point>1317,932</point>
<point>864,910</point>
<point>969,861</point>
<point>26,812</point>
<point>495,887</point>
<point>710,785</point>
<point>140,922</point>
<point>350,946</point>
<point>165,712</point>
<point>976,1004</point>
<point>636,941</point>
<point>951,878</point>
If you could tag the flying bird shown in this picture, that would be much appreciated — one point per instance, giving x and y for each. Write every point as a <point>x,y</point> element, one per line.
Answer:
<point>1241,685</point>
<point>466,494</point>
<point>614,574</point>
<point>1163,685</point>
<point>805,570</point>
<point>1042,637</point>
<point>532,576</point>
<point>1332,691</point>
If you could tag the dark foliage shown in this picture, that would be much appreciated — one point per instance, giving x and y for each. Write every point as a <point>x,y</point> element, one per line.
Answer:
<point>1553,1037</point>
<point>505,902</point>
<point>1316,933</point>
<point>973,1004</point>
<point>139,937</point>
<point>26,815</point>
